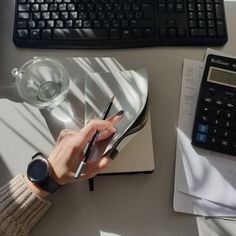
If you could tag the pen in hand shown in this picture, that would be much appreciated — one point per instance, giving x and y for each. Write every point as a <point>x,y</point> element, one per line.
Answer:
<point>93,141</point>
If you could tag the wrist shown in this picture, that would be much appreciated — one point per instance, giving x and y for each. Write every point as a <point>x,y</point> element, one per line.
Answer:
<point>36,189</point>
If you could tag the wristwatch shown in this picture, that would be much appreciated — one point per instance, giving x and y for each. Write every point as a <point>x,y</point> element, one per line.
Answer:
<point>39,171</point>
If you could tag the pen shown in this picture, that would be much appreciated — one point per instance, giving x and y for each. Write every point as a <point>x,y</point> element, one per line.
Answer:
<point>93,141</point>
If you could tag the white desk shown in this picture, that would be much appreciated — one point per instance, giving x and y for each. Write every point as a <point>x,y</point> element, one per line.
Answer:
<point>133,205</point>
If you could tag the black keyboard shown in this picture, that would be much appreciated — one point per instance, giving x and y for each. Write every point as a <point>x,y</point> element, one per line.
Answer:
<point>118,23</point>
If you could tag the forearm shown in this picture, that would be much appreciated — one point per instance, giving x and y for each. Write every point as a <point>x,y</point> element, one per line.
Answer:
<point>20,208</point>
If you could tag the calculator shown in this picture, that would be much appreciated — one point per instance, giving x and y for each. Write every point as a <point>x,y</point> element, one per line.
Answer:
<point>215,119</point>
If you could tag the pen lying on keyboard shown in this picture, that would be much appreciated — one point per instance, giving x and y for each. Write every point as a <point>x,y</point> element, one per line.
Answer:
<point>93,141</point>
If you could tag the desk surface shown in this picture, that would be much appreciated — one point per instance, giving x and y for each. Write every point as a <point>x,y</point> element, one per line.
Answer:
<point>128,204</point>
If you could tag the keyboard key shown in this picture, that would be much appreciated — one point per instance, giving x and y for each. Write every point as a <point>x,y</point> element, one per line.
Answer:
<point>219,11</point>
<point>22,34</point>
<point>201,23</point>
<point>23,15</point>
<point>171,23</point>
<point>220,28</point>
<point>47,34</point>
<point>114,34</point>
<point>32,24</point>
<point>179,8</point>
<point>181,32</point>
<point>149,33</point>
<point>161,7</point>
<point>21,24</point>
<point>192,23</point>
<point>137,33</point>
<point>197,32</point>
<point>162,32</point>
<point>172,32</point>
<point>79,24</point>
<point>211,32</point>
<point>75,34</point>
<point>36,15</point>
<point>35,34</point>
<point>147,10</point>
<point>170,8</point>
<point>141,24</point>
<point>41,24</point>
<point>23,7</point>
<point>126,34</point>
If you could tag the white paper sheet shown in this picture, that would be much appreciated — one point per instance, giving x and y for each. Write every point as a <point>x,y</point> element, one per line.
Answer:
<point>193,184</point>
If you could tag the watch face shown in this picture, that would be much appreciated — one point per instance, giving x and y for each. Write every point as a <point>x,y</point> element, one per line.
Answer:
<point>37,170</point>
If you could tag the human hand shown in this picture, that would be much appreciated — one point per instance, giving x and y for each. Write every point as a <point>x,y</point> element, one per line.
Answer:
<point>69,150</point>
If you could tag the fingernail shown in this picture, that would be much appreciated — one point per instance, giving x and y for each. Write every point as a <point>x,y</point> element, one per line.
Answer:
<point>119,113</point>
<point>114,154</point>
<point>112,129</point>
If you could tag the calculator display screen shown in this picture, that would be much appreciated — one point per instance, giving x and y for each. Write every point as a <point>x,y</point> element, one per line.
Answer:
<point>221,76</point>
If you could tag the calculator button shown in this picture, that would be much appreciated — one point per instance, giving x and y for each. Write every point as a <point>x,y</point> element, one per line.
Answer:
<point>202,128</point>
<point>204,119</point>
<point>229,115</point>
<point>207,100</point>
<point>207,110</point>
<point>216,131</point>
<point>219,102</point>
<point>229,94</point>
<point>227,124</point>
<point>226,134</point>
<point>230,105</point>
<point>224,143</point>
<point>210,90</point>
<point>217,122</point>
<point>212,140</point>
<point>218,112</point>
<point>201,138</point>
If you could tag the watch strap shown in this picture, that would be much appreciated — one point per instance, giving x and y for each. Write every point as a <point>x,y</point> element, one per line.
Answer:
<point>49,185</point>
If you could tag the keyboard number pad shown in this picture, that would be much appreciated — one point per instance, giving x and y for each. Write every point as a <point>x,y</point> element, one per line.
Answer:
<point>216,124</point>
<point>206,18</point>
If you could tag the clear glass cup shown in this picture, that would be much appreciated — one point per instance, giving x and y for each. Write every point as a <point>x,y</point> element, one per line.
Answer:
<point>42,82</point>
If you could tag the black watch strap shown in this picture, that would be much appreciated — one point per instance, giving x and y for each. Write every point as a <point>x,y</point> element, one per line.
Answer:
<point>49,184</point>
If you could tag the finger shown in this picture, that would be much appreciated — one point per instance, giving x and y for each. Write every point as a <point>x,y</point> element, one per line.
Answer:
<point>116,118</point>
<point>62,134</point>
<point>113,119</point>
<point>86,133</point>
<point>105,134</point>
<point>95,167</point>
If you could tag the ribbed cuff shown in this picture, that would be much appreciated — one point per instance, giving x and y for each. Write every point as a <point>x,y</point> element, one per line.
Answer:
<point>20,208</point>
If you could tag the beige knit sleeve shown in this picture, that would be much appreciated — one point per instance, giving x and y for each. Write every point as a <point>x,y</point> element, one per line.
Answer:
<point>20,208</point>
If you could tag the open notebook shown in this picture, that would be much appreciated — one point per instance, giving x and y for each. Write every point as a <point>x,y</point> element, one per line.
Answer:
<point>20,121</point>
<point>130,89</point>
